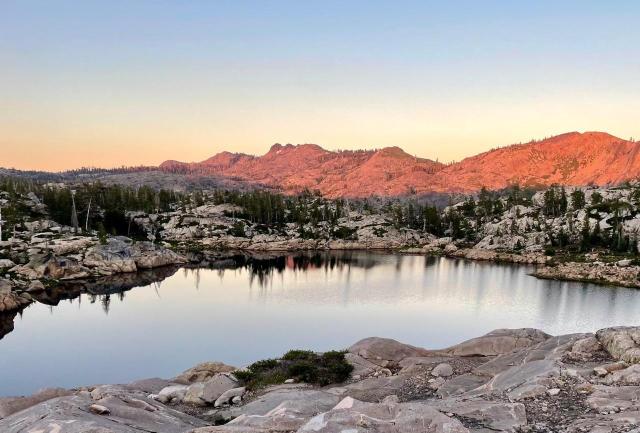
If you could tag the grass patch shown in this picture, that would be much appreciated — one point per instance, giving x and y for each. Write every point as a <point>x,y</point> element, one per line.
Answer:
<point>301,365</point>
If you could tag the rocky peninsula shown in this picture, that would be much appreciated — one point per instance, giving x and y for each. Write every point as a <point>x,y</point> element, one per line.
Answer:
<point>510,380</point>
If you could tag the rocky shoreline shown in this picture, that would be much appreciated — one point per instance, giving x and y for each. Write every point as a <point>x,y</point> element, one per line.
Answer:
<point>598,273</point>
<point>52,262</point>
<point>510,380</point>
<point>42,254</point>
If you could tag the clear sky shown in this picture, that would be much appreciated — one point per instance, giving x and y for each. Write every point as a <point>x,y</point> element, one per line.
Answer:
<point>109,83</point>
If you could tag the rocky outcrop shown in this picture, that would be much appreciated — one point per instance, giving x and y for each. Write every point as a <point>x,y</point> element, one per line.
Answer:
<point>203,372</point>
<point>148,256</point>
<point>10,301</point>
<point>11,405</point>
<point>120,255</point>
<point>112,258</point>
<point>596,272</point>
<point>497,256</point>
<point>114,413</point>
<point>91,262</point>
<point>385,351</point>
<point>623,343</point>
<point>509,380</point>
<point>499,342</point>
<point>213,390</point>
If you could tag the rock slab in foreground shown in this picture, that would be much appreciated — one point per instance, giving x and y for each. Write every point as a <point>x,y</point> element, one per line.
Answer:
<point>510,380</point>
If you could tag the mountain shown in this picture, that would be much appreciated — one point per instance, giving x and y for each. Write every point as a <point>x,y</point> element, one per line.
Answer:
<point>568,159</point>
<point>293,168</point>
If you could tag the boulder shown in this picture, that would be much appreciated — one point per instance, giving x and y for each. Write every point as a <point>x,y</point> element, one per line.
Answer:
<point>10,301</point>
<point>173,393</point>
<point>6,264</point>
<point>47,265</point>
<point>203,372</point>
<point>70,245</point>
<point>361,366</point>
<point>499,342</point>
<point>623,343</point>
<point>627,376</point>
<point>193,394</point>
<point>450,248</point>
<point>215,387</point>
<point>202,393</point>
<point>148,255</point>
<point>35,286</point>
<point>5,286</point>
<point>442,370</point>
<point>614,398</point>
<point>151,385</point>
<point>228,395</point>
<point>588,345</point>
<point>382,351</point>
<point>98,409</point>
<point>112,258</point>
<point>603,370</point>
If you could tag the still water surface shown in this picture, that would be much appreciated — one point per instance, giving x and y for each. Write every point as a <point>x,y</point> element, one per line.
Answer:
<point>262,308</point>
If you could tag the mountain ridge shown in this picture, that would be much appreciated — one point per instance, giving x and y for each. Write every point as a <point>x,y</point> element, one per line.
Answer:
<point>572,158</point>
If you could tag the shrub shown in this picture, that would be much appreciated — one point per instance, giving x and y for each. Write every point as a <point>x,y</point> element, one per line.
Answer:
<point>102,234</point>
<point>301,365</point>
<point>297,355</point>
<point>379,231</point>
<point>342,232</point>
<point>237,230</point>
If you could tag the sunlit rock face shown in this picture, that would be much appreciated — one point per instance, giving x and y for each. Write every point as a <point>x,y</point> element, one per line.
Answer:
<point>570,159</point>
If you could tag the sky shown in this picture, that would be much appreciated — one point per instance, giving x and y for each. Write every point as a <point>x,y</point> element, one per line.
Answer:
<point>112,83</point>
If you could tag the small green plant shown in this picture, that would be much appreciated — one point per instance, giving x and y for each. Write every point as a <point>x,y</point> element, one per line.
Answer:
<point>342,232</point>
<point>237,230</point>
<point>301,365</point>
<point>102,234</point>
<point>379,232</point>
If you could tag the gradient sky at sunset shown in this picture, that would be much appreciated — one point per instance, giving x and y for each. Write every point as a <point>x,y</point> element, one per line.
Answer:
<point>109,83</point>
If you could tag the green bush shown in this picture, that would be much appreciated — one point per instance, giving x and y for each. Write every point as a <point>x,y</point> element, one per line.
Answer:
<point>237,230</point>
<point>301,365</point>
<point>298,355</point>
<point>342,232</point>
<point>379,231</point>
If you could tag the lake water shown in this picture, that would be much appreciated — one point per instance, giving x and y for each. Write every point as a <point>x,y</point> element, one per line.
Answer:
<point>257,308</point>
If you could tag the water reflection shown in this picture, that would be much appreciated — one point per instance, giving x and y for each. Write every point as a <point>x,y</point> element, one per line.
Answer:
<point>262,268</point>
<point>244,308</point>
